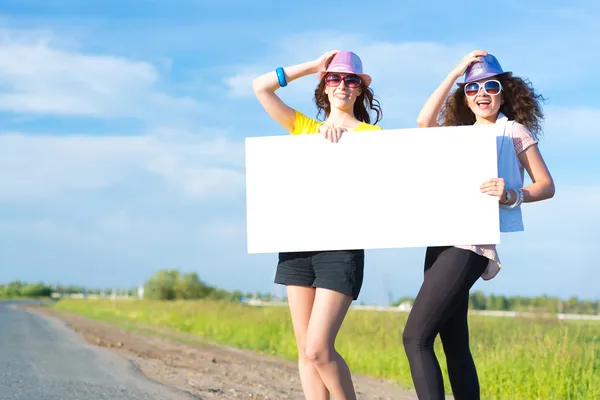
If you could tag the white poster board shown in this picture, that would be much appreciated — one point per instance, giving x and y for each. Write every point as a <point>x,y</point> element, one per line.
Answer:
<point>375,189</point>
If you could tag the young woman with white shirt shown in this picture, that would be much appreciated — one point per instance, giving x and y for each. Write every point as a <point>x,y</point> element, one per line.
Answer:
<point>488,95</point>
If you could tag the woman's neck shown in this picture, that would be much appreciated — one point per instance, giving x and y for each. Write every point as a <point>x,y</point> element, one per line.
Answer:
<point>486,120</point>
<point>342,118</point>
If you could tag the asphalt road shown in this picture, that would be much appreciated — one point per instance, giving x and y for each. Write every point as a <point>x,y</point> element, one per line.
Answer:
<point>41,359</point>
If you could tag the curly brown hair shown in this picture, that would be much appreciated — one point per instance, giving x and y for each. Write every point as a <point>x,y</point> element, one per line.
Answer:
<point>363,103</point>
<point>521,104</point>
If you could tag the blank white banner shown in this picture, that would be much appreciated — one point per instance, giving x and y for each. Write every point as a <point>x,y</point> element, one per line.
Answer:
<point>377,189</point>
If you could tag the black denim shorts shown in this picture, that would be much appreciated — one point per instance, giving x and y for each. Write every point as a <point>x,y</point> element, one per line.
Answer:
<point>339,270</point>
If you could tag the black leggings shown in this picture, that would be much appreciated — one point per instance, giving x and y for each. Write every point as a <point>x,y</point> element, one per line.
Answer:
<point>441,307</point>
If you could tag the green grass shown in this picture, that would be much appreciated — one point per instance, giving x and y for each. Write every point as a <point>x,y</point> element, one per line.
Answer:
<point>516,358</point>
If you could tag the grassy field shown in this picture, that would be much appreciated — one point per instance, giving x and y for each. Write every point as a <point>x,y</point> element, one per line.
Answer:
<point>517,359</point>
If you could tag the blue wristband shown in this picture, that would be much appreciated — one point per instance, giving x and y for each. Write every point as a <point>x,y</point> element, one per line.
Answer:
<point>281,77</point>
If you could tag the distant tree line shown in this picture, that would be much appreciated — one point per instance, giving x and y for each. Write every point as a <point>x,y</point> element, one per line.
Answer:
<point>163,285</point>
<point>541,304</point>
<point>171,284</point>
<point>22,289</point>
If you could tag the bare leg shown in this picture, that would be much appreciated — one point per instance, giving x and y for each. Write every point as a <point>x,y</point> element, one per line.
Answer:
<point>328,313</point>
<point>301,301</point>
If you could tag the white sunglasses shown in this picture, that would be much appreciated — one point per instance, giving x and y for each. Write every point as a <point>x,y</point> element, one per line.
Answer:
<point>492,87</point>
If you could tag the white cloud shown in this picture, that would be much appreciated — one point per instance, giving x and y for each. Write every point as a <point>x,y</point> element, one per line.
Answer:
<point>49,166</point>
<point>566,224</point>
<point>225,231</point>
<point>569,130</point>
<point>127,226</point>
<point>39,78</point>
<point>240,84</point>
<point>580,201</point>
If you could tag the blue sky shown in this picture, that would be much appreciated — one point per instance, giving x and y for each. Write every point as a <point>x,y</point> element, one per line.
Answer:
<point>122,127</point>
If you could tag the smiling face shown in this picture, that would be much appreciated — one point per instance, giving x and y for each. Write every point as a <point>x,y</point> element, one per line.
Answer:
<point>484,98</point>
<point>342,90</point>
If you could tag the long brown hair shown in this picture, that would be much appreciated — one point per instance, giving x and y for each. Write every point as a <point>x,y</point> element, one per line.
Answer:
<point>521,104</point>
<point>365,102</point>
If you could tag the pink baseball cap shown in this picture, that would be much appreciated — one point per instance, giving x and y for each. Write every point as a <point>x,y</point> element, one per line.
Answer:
<point>346,62</point>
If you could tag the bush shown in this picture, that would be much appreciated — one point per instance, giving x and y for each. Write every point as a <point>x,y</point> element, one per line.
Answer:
<point>172,285</point>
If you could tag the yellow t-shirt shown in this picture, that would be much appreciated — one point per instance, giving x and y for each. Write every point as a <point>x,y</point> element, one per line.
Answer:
<point>305,125</point>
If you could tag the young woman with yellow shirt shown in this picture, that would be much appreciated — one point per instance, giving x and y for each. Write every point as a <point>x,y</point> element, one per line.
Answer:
<point>321,285</point>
